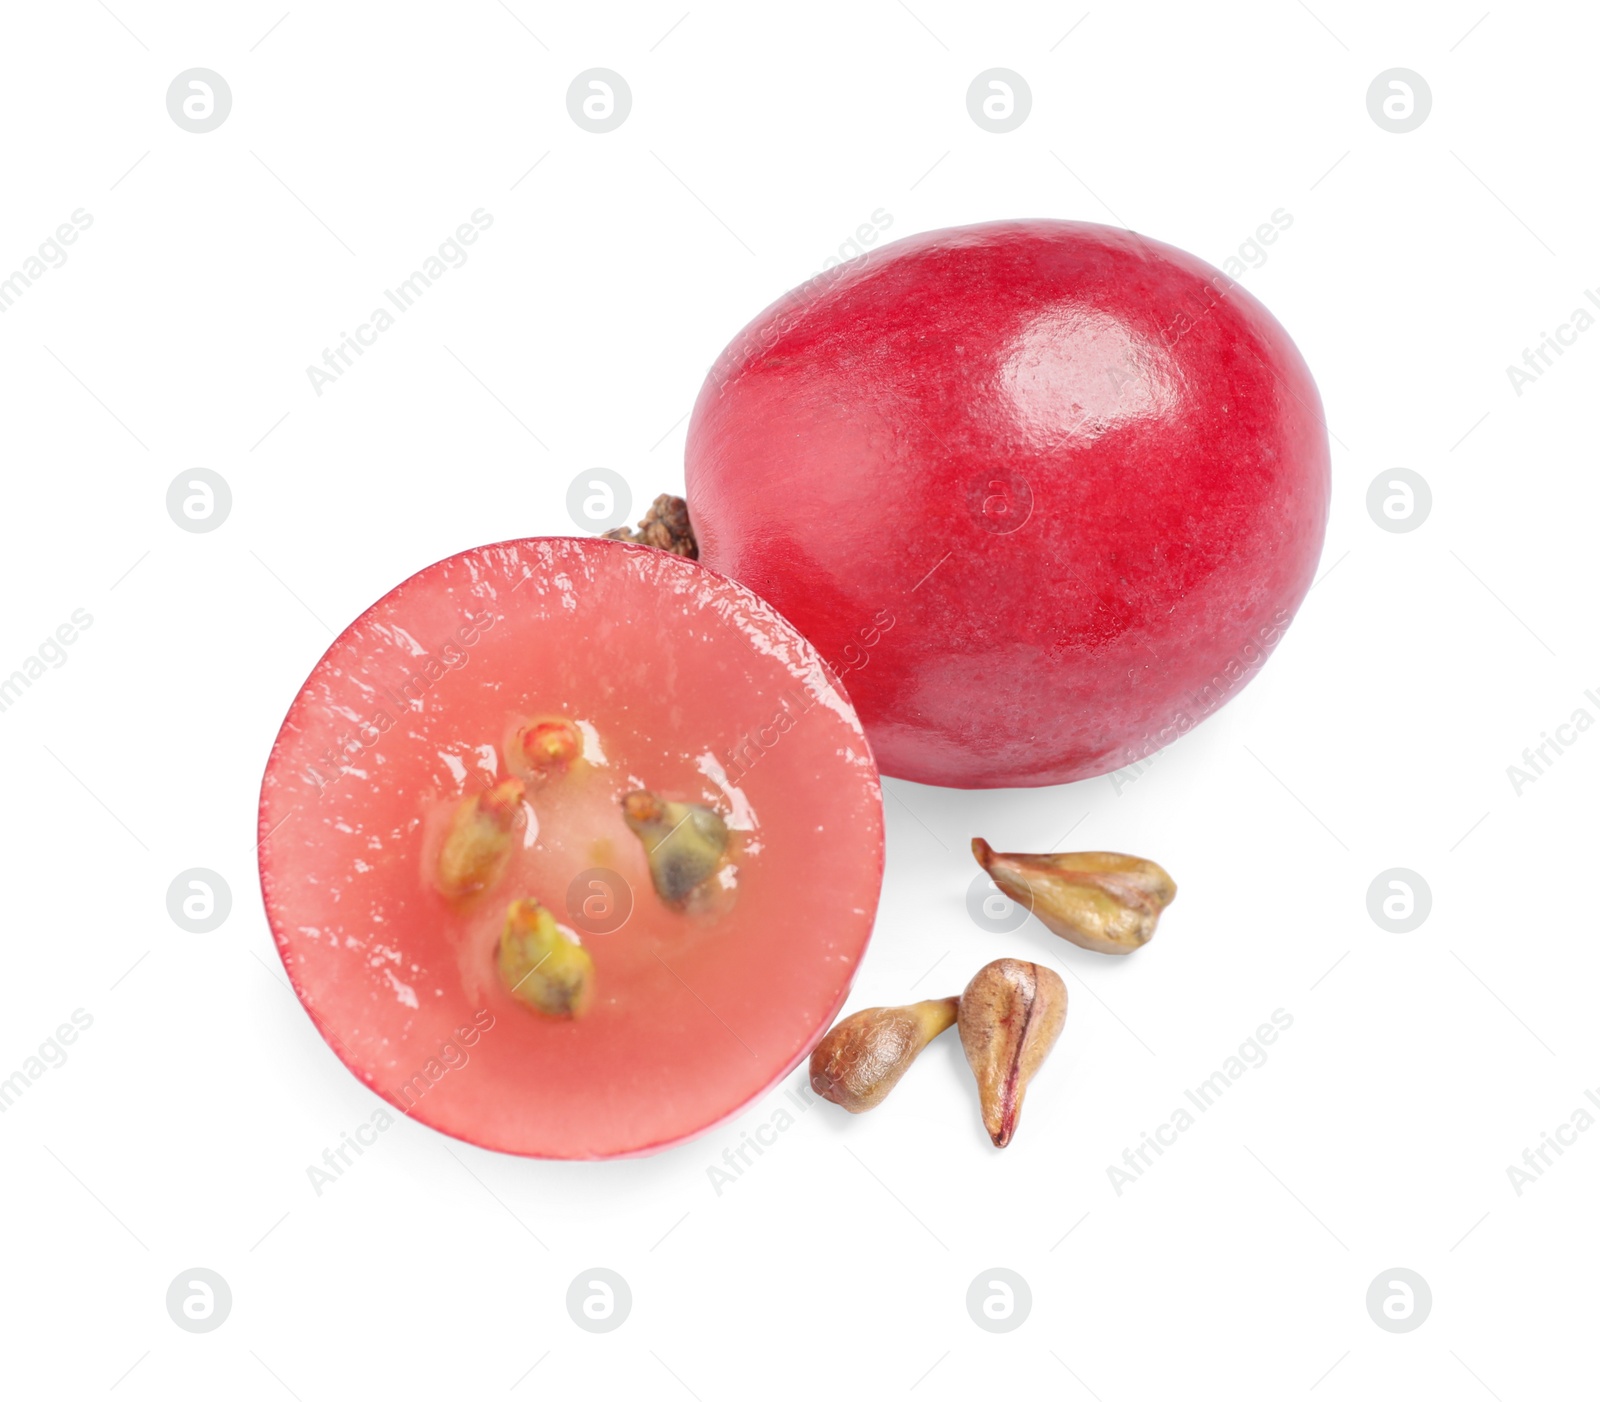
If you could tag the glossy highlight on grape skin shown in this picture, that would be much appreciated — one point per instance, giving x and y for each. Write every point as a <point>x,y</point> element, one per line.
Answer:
<point>1085,475</point>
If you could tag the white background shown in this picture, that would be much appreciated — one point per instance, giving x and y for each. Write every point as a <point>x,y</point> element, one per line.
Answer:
<point>1418,1067</point>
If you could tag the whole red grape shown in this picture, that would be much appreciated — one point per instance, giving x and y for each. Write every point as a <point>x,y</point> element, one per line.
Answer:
<point>1045,494</point>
